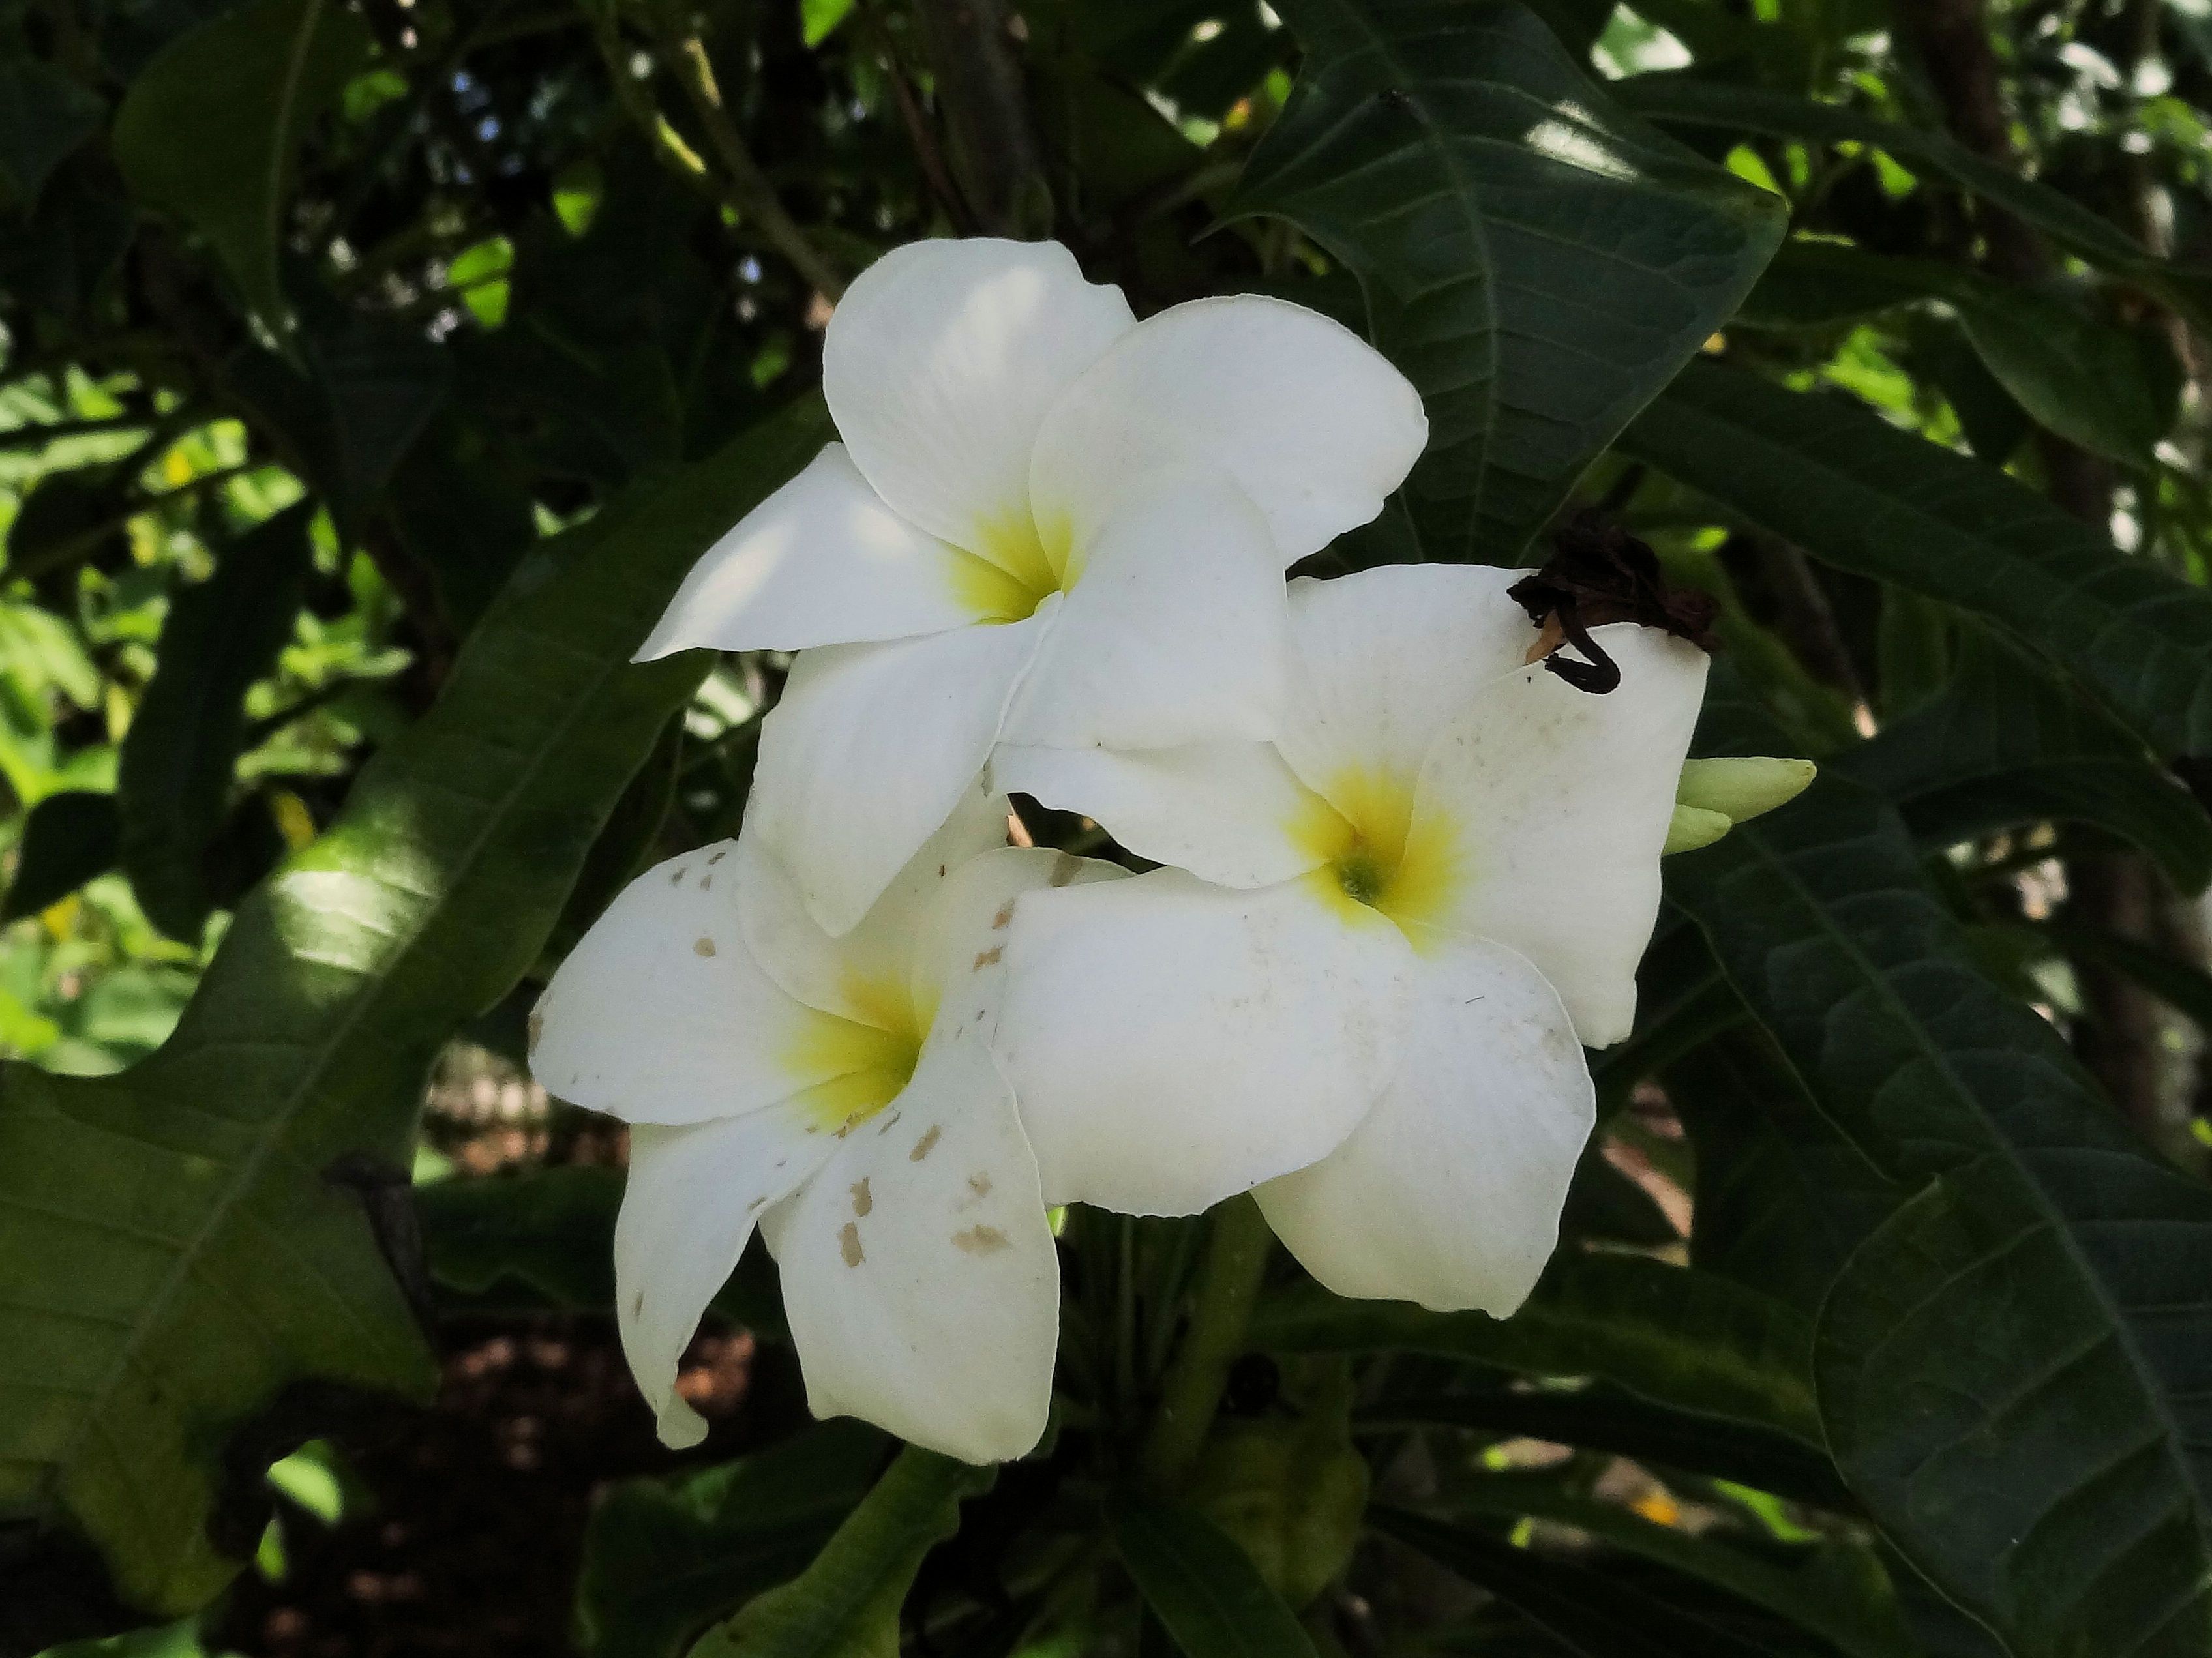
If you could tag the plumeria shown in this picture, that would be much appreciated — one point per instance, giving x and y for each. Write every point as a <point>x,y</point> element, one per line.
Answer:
<point>1046,523</point>
<point>839,1093</point>
<point>1360,989</point>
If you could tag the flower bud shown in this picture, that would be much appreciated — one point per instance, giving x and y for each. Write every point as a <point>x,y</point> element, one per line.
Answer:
<point>1693,827</point>
<point>1742,789</point>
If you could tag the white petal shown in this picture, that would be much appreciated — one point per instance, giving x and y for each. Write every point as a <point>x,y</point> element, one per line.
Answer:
<point>1449,1194</point>
<point>960,945</point>
<point>1312,420</point>
<point>1555,804</point>
<point>661,1014</point>
<point>1172,1043</point>
<point>1228,812</point>
<point>870,751</point>
<point>940,363</point>
<point>824,562</point>
<point>919,1272</point>
<point>1383,660</point>
<point>854,975</point>
<point>693,1197</point>
<point>1177,630</point>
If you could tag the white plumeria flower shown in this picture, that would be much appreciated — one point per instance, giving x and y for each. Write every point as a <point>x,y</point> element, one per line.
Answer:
<point>842,1094</point>
<point>1360,991</point>
<point>1047,523</point>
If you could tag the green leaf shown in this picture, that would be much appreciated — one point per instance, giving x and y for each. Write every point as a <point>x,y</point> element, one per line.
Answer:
<point>2102,386</point>
<point>1783,1199</point>
<point>43,115</point>
<point>1835,1590</point>
<point>549,1234</point>
<point>1201,1585</point>
<point>2006,743</point>
<point>846,1604</point>
<point>1538,263</point>
<point>67,839</point>
<point>1689,102</point>
<point>1596,1613</point>
<point>1602,1419</point>
<point>2015,1370</point>
<point>171,1252</point>
<point>173,783</point>
<point>1678,1338</point>
<point>818,19</point>
<point>1858,493</point>
<point>2098,384</point>
<point>663,1557</point>
<point>211,129</point>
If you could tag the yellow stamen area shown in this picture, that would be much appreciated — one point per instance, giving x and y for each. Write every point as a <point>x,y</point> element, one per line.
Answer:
<point>1374,856</point>
<point>867,1060</point>
<point>1019,562</point>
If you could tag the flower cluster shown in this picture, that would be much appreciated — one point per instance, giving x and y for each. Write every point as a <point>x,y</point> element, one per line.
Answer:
<point>1405,870</point>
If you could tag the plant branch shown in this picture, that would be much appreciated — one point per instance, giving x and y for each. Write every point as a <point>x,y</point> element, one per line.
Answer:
<point>746,187</point>
<point>1237,1253</point>
<point>995,153</point>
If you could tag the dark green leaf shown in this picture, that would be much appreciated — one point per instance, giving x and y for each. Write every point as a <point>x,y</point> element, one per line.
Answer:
<point>2016,1368</point>
<point>1856,492</point>
<point>2006,743</point>
<point>1836,1591</point>
<point>2093,382</point>
<point>171,1254</point>
<point>846,1604</point>
<point>549,1234</point>
<point>1199,1584</point>
<point>1603,1420</point>
<point>67,839</point>
<point>174,780</point>
<point>379,385</point>
<point>1678,1338</point>
<point>1537,262</point>
<point>211,129</point>
<point>1781,1197</point>
<point>663,1557</point>
<point>43,115</point>
<point>1693,102</point>
<point>2088,380</point>
<point>1597,1614</point>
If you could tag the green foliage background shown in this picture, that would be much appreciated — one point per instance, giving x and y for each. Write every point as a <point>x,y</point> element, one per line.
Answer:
<point>373,371</point>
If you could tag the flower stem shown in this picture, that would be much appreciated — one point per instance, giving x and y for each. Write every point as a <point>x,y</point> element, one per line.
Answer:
<point>1237,1250</point>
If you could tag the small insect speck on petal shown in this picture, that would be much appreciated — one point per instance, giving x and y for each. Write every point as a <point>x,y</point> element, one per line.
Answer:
<point>980,1240</point>
<point>706,881</point>
<point>718,858</point>
<point>849,1243</point>
<point>890,1122</point>
<point>985,957</point>
<point>676,879</point>
<point>862,1202</point>
<point>923,1146</point>
<point>980,1184</point>
<point>704,947</point>
<point>637,1305</point>
<point>1006,915</point>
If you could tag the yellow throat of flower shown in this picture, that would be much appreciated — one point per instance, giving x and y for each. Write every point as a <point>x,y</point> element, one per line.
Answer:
<point>868,1060</point>
<point>1015,563</point>
<point>1375,857</point>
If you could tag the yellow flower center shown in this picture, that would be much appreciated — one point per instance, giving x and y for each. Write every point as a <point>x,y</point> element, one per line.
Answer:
<point>1374,856</point>
<point>1015,564</point>
<point>869,1059</point>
